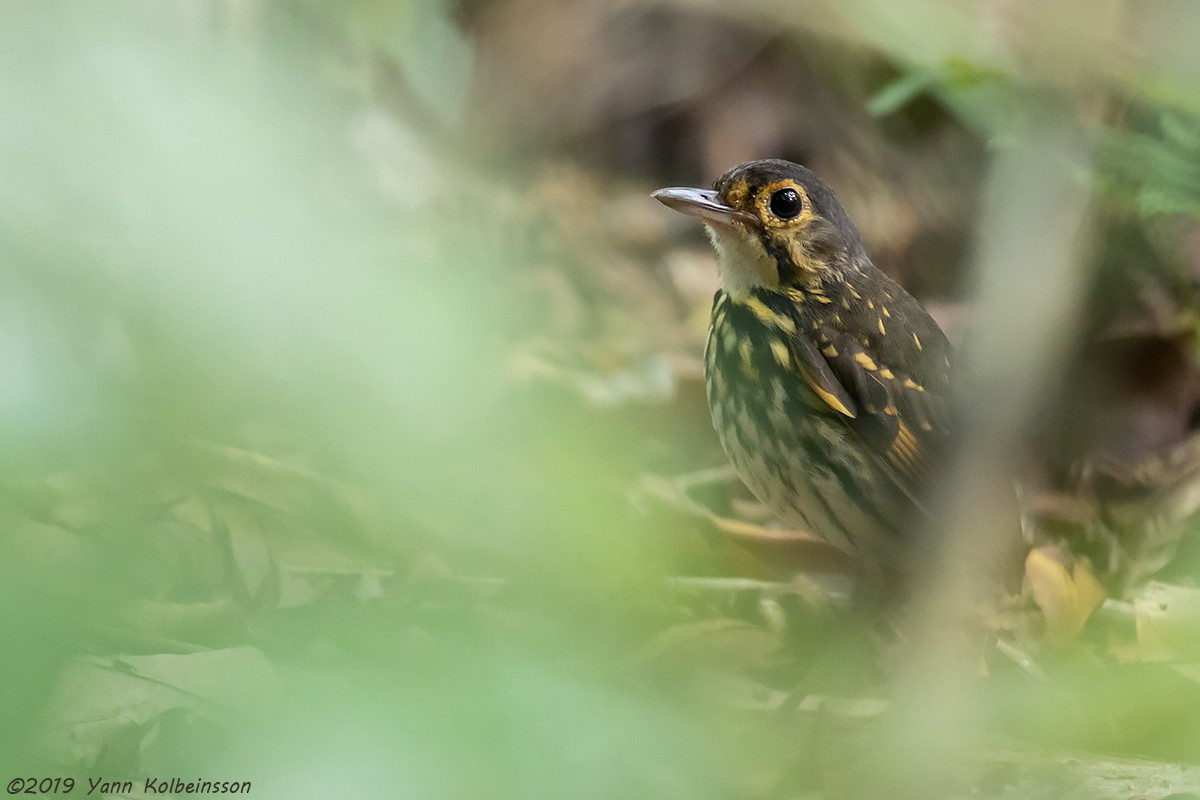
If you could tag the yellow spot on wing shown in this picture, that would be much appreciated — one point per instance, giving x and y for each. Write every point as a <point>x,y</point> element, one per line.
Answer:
<point>904,447</point>
<point>918,342</point>
<point>886,373</point>
<point>831,401</point>
<point>881,328</point>
<point>830,351</point>
<point>820,298</point>
<point>909,383</point>
<point>886,313</point>
<point>870,303</point>
<point>865,361</point>
<point>827,397</point>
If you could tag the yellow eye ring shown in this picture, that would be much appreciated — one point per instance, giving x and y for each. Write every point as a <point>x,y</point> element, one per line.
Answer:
<point>783,204</point>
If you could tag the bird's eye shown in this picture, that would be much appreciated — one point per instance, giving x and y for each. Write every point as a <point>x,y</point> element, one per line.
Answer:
<point>786,203</point>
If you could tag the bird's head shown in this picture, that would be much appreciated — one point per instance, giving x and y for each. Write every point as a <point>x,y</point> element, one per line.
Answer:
<point>774,224</point>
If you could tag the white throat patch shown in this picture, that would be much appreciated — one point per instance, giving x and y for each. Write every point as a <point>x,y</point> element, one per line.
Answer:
<point>742,260</point>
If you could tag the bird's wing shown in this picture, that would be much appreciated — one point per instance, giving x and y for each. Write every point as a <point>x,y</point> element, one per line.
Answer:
<point>905,423</point>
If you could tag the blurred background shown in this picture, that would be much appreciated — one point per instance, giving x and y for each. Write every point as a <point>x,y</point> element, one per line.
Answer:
<point>354,432</point>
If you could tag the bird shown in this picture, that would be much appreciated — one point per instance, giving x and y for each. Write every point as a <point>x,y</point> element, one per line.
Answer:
<point>829,385</point>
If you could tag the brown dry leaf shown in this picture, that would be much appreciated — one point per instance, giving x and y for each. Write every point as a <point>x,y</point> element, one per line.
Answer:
<point>767,552</point>
<point>715,643</point>
<point>674,492</point>
<point>1063,588</point>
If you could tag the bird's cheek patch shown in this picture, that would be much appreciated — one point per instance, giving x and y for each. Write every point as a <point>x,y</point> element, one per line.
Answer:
<point>805,263</point>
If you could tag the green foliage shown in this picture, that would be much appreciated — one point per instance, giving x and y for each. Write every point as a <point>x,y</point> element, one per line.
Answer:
<point>1156,173</point>
<point>975,92</point>
<point>299,486</point>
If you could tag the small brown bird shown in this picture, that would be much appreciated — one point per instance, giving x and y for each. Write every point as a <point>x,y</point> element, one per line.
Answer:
<point>828,383</point>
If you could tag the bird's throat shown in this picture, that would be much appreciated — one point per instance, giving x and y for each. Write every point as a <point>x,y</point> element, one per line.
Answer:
<point>742,260</point>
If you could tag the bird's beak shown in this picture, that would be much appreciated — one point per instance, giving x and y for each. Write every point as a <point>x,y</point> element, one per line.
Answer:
<point>702,203</point>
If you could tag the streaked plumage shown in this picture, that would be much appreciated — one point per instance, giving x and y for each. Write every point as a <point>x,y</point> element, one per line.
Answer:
<point>827,381</point>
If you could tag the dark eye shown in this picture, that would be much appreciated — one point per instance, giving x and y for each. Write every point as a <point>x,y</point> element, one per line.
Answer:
<point>786,204</point>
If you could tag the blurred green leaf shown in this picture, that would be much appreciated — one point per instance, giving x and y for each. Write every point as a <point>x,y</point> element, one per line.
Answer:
<point>901,91</point>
